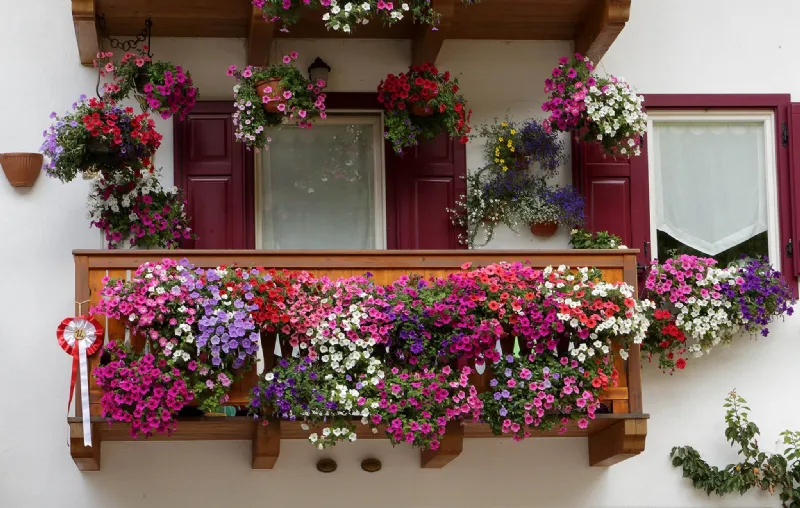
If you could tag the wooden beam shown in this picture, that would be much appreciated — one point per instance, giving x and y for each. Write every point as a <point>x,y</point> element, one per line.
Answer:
<point>266,444</point>
<point>259,39</point>
<point>87,458</point>
<point>623,440</point>
<point>605,21</point>
<point>450,447</point>
<point>85,20</point>
<point>428,42</point>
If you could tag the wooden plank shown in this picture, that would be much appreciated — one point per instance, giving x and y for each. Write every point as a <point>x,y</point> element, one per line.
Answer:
<point>259,39</point>
<point>426,45</point>
<point>623,440</point>
<point>601,28</point>
<point>266,444</point>
<point>450,447</point>
<point>85,22</point>
<point>87,458</point>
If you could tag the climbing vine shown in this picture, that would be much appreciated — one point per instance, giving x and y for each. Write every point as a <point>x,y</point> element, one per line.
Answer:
<point>757,469</point>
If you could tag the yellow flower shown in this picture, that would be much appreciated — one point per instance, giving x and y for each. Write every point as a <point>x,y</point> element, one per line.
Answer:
<point>504,124</point>
<point>505,168</point>
<point>502,161</point>
<point>513,131</point>
<point>512,149</point>
<point>500,139</point>
<point>496,159</point>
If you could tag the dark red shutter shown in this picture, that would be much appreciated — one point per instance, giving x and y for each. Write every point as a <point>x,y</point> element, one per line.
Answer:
<point>617,195</point>
<point>216,175</point>
<point>794,184</point>
<point>420,187</point>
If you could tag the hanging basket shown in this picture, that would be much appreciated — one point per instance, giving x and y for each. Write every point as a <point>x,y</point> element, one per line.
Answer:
<point>522,162</point>
<point>275,97</point>
<point>421,110</point>
<point>22,169</point>
<point>141,79</point>
<point>544,229</point>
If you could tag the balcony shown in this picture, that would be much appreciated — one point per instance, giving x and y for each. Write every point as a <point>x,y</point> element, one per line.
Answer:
<point>613,436</point>
<point>592,24</point>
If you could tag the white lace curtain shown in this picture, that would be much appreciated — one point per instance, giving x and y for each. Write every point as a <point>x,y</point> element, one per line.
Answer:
<point>710,183</point>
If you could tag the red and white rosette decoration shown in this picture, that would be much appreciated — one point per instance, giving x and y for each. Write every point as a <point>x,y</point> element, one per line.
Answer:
<point>81,337</point>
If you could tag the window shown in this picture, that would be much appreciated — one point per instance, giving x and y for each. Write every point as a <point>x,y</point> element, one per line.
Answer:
<point>713,184</point>
<point>322,188</point>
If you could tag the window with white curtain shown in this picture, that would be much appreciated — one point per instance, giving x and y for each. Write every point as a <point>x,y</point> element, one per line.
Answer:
<point>713,184</point>
<point>322,188</point>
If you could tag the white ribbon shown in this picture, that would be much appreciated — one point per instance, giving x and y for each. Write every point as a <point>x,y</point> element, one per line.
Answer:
<point>85,334</point>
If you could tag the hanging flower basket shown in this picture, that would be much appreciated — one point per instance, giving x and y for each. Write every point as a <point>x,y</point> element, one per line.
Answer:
<point>22,169</point>
<point>270,88</point>
<point>421,104</point>
<point>142,78</point>
<point>544,229</point>
<point>269,96</point>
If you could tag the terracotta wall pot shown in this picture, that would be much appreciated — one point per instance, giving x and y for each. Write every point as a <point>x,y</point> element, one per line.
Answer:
<point>544,229</point>
<point>275,96</point>
<point>420,110</point>
<point>22,169</point>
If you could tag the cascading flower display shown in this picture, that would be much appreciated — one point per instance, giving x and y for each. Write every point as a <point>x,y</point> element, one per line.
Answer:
<point>269,96</point>
<point>705,306</point>
<point>99,137</point>
<point>139,212</point>
<point>602,109</point>
<point>160,86</point>
<point>345,16</point>
<point>143,390</point>
<point>422,104</point>
<point>188,315</point>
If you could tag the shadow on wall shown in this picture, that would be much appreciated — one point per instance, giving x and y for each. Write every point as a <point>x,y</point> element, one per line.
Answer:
<point>488,473</point>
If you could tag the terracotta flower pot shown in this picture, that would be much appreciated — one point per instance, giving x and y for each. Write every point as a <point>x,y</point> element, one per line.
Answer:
<point>275,96</point>
<point>22,169</point>
<point>421,110</point>
<point>544,229</point>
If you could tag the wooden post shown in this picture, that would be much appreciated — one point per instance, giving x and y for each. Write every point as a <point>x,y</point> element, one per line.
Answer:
<point>85,22</point>
<point>450,447</point>
<point>426,45</point>
<point>620,441</point>
<point>601,28</point>
<point>266,444</point>
<point>87,458</point>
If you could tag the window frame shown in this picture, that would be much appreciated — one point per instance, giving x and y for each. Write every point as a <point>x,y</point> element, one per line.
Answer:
<point>337,117</point>
<point>763,117</point>
<point>779,106</point>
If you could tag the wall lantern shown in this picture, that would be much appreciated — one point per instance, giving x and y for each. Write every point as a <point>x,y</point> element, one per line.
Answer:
<point>319,70</point>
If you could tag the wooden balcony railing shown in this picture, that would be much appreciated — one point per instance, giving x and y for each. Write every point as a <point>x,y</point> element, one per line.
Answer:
<point>613,436</point>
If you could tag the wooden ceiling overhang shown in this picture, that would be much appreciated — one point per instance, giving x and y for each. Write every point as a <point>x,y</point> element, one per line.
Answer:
<point>593,24</point>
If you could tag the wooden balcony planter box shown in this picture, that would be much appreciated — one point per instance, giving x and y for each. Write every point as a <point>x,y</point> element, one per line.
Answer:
<point>613,436</point>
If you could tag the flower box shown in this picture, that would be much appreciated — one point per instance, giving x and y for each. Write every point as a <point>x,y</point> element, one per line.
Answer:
<point>614,435</point>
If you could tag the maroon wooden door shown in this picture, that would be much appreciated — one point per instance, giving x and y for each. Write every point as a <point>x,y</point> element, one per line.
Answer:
<point>420,187</point>
<point>216,175</point>
<point>616,191</point>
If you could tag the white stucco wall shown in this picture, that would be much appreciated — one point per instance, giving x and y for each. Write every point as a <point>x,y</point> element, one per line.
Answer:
<point>680,46</point>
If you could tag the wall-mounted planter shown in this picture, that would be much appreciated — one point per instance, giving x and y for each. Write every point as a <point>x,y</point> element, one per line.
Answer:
<point>22,169</point>
<point>544,229</point>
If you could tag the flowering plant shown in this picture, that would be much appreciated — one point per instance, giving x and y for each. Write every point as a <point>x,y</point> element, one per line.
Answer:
<point>345,16</point>
<point>140,211</point>
<point>143,390</point>
<point>583,239</point>
<point>711,304</point>
<point>540,203</point>
<point>538,145</point>
<point>503,145</point>
<point>160,86</point>
<point>486,203</point>
<point>191,317</point>
<point>422,103</point>
<point>98,136</point>
<point>542,391</point>
<point>294,97</point>
<point>606,110</point>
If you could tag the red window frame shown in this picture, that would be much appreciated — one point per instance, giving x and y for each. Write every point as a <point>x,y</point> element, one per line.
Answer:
<point>787,150</point>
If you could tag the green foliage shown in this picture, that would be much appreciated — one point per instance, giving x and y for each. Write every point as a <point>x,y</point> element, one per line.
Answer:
<point>757,469</point>
<point>583,239</point>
